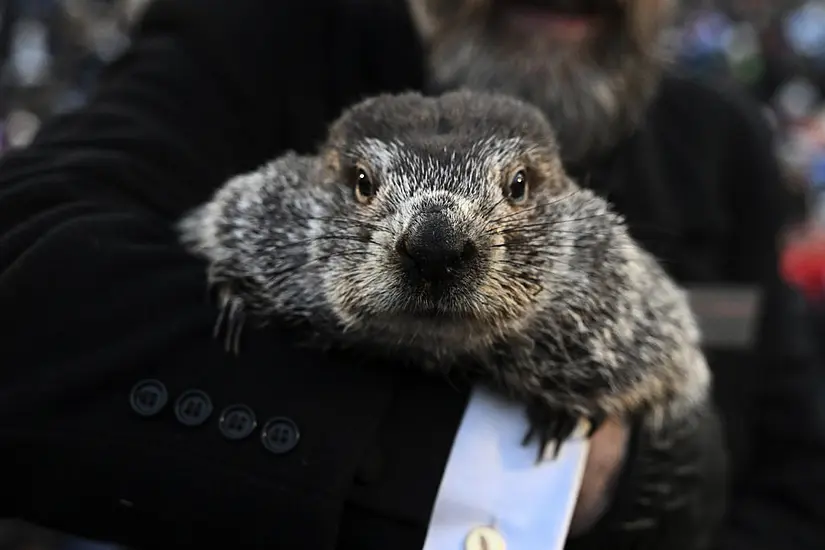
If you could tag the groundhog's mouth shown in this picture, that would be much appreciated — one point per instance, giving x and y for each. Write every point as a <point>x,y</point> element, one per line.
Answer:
<point>439,316</point>
<point>435,326</point>
<point>451,306</point>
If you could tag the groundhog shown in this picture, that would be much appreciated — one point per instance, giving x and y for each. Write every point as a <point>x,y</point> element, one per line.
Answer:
<point>444,232</point>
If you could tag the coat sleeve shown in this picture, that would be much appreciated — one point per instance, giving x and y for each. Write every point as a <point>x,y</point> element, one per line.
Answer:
<point>778,502</point>
<point>97,295</point>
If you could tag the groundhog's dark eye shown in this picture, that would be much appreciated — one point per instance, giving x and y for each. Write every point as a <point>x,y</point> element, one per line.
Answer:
<point>517,190</point>
<point>363,186</point>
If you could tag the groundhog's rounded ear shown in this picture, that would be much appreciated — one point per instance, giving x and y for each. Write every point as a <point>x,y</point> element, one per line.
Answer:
<point>330,159</point>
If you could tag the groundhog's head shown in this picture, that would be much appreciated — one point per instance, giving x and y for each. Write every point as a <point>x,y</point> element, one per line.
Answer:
<point>459,211</point>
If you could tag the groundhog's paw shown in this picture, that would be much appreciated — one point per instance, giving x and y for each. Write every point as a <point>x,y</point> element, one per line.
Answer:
<point>555,425</point>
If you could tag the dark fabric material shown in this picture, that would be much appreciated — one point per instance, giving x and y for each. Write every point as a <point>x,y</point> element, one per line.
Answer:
<point>98,296</point>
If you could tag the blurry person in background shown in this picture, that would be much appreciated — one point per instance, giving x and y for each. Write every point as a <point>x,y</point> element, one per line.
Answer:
<point>694,169</point>
<point>109,330</point>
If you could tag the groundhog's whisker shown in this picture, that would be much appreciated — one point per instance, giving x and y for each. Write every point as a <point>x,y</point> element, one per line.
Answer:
<point>557,252</point>
<point>528,237</point>
<point>525,265</point>
<point>526,249</point>
<point>341,237</point>
<point>345,238</point>
<point>276,278</point>
<point>522,276</point>
<point>350,222</point>
<point>542,225</point>
<point>528,245</point>
<point>532,267</point>
<point>525,211</point>
<point>533,286</point>
<point>549,270</point>
<point>487,211</point>
<point>564,231</point>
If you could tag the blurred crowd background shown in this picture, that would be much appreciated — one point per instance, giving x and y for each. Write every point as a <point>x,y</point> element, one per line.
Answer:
<point>52,50</point>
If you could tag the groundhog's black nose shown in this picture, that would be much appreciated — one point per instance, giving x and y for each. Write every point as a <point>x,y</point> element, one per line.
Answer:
<point>435,249</point>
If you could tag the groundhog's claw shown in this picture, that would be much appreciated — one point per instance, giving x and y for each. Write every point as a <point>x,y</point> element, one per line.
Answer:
<point>230,320</point>
<point>596,420</point>
<point>554,425</point>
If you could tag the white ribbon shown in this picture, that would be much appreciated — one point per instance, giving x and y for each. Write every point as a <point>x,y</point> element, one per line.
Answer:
<point>492,480</point>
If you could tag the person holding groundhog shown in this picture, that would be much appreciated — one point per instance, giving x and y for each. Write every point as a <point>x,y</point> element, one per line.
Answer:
<point>124,419</point>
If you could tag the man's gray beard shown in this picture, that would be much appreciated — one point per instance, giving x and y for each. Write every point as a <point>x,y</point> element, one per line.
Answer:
<point>591,105</point>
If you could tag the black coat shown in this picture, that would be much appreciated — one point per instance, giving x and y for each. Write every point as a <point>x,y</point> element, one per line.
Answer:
<point>109,327</point>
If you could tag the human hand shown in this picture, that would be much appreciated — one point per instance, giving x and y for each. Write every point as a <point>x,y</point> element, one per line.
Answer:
<point>608,447</point>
